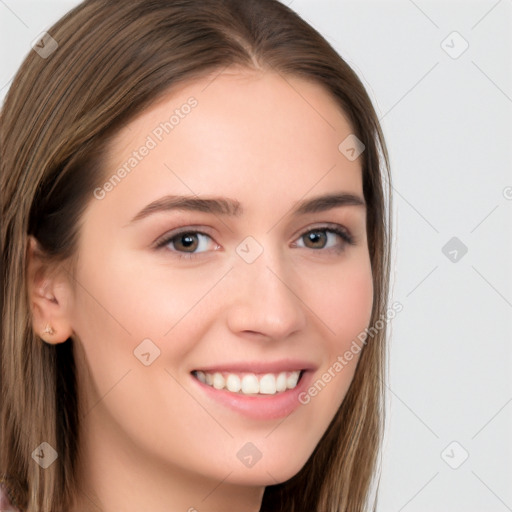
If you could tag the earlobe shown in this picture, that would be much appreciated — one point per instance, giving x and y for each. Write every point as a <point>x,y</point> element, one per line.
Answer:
<point>49,297</point>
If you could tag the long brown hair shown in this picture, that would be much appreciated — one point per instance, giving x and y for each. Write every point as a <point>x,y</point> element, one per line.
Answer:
<point>113,59</point>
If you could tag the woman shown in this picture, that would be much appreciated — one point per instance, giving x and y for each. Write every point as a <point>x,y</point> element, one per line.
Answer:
<point>195,257</point>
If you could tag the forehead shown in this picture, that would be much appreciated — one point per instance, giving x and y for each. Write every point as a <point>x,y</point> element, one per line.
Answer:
<point>239,133</point>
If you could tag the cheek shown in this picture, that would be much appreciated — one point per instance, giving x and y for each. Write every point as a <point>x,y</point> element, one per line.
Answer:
<point>124,302</point>
<point>343,301</point>
<point>355,302</point>
<point>144,296</point>
<point>344,306</point>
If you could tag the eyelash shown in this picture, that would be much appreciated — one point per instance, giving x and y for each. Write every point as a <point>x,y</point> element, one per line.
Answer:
<point>346,237</point>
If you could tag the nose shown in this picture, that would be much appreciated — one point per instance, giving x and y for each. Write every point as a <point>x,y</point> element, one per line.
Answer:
<point>265,299</point>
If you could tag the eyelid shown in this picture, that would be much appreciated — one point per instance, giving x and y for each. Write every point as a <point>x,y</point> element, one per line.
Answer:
<point>340,230</point>
<point>343,231</point>
<point>163,240</point>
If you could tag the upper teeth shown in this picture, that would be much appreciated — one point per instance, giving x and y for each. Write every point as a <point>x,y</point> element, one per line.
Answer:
<point>248,384</point>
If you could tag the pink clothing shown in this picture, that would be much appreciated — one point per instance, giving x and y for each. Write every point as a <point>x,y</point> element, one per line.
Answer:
<point>5,503</point>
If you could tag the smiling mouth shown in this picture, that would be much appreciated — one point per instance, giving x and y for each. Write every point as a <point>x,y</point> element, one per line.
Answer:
<point>251,384</point>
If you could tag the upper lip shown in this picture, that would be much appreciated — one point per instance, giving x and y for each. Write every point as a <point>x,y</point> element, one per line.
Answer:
<point>284,365</point>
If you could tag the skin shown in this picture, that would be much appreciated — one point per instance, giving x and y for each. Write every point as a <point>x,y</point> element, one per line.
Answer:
<point>151,438</point>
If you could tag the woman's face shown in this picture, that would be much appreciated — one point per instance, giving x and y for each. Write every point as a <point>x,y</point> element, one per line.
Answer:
<point>246,284</point>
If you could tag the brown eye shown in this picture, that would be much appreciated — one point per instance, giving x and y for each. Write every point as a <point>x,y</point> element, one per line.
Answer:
<point>335,238</point>
<point>315,239</point>
<point>187,242</point>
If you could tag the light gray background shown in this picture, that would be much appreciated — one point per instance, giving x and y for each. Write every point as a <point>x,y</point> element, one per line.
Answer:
<point>448,124</point>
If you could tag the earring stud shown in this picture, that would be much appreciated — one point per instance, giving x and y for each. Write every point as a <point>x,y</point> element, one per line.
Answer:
<point>48,330</point>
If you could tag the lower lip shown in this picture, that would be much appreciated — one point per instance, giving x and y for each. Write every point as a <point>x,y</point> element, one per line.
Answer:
<point>261,407</point>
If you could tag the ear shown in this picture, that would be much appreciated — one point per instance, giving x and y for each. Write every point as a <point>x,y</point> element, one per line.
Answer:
<point>50,296</point>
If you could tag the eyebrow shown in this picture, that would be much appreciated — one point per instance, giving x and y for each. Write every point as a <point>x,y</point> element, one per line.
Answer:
<point>233,208</point>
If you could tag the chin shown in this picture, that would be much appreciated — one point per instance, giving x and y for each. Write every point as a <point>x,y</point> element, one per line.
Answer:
<point>272,472</point>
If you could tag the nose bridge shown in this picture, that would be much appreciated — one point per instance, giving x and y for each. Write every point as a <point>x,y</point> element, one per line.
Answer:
<point>263,298</point>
